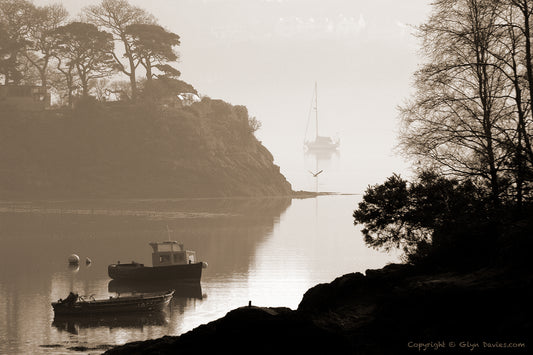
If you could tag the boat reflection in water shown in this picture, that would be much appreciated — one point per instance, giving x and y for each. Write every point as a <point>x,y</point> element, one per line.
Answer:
<point>181,289</point>
<point>73,324</point>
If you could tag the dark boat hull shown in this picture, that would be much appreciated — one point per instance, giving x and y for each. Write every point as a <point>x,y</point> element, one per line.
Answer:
<point>140,303</point>
<point>139,272</point>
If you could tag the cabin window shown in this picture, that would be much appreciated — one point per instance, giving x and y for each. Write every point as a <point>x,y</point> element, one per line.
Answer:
<point>164,258</point>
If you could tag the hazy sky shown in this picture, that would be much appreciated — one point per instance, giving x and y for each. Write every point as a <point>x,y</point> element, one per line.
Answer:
<point>267,54</point>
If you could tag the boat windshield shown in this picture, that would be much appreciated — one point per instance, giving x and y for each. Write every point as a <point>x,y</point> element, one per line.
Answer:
<point>169,247</point>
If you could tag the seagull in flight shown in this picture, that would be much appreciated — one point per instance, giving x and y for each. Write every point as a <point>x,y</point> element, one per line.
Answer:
<point>315,174</point>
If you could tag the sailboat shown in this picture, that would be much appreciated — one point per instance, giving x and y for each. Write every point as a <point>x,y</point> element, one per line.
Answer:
<point>320,143</point>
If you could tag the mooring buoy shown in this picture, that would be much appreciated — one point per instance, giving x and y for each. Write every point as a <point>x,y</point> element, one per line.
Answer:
<point>73,259</point>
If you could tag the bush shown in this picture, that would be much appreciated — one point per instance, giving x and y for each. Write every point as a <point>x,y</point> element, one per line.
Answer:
<point>431,218</point>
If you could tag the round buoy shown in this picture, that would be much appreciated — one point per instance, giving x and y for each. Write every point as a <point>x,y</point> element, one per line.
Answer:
<point>88,261</point>
<point>204,265</point>
<point>74,259</point>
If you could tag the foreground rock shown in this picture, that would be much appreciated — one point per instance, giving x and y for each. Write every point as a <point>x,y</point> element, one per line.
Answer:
<point>394,310</point>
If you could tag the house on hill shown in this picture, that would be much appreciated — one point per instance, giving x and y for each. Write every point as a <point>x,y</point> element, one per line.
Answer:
<point>179,100</point>
<point>25,97</point>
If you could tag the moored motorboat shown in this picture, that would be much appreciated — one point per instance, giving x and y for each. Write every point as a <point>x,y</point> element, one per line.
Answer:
<point>170,261</point>
<point>144,302</point>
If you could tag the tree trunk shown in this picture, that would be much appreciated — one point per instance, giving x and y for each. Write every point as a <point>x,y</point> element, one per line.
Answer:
<point>529,67</point>
<point>129,55</point>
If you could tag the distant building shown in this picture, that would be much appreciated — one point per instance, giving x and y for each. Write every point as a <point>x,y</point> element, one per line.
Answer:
<point>25,97</point>
<point>180,100</point>
<point>188,98</point>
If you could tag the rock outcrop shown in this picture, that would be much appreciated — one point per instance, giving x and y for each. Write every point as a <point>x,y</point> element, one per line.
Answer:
<point>394,310</point>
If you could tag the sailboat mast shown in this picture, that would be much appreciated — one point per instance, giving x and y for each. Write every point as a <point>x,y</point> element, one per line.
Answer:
<point>316,109</point>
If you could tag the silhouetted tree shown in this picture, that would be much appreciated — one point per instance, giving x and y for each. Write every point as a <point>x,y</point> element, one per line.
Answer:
<point>420,216</point>
<point>84,47</point>
<point>116,16</point>
<point>67,68</point>
<point>168,72</point>
<point>41,39</point>
<point>152,46</point>
<point>458,119</point>
<point>15,19</point>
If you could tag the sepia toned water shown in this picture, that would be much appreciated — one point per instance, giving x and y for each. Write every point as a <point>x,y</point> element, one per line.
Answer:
<point>268,251</point>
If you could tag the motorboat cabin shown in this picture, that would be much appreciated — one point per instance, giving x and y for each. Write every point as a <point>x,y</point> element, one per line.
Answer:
<point>171,253</point>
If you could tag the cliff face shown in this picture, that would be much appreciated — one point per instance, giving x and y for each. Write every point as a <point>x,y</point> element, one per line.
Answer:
<point>204,150</point>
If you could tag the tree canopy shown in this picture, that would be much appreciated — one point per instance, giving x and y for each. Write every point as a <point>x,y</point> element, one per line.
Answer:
<point>40,45</point>
<point>469,129</point>
<point>116,16</point>
<point>87,50</point>
<point>152,46</point>
<point>469,117</point>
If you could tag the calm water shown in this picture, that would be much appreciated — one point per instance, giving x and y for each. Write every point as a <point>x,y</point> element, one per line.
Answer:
<point>269,251</point>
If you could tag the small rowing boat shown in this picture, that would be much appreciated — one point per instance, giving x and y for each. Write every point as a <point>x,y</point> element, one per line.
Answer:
<point>144,302</point>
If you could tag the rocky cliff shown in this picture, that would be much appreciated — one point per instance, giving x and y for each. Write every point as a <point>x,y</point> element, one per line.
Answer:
<point>207,149</point>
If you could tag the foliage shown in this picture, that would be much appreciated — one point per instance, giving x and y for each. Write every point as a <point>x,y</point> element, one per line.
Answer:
<point>469,116</point>
<point>254,124</point>
<point>38,47</point>
<point>152,45</point>
<point>116,16</point>
<point>15,20</point>
<point>41,39</point>
<point>422,216</point>
<point>165,88</point>
<point>86,49</point>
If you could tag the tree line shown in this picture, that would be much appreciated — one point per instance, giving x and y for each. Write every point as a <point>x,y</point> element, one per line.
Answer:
<point>468,127</point>
<point>41,45</point>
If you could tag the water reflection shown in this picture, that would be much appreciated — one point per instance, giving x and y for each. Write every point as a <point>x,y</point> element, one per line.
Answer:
<point>269,251</point>
<point>73,324</point>
<point>181,290</point>
<point>37,238</point>
<point>323,162</point>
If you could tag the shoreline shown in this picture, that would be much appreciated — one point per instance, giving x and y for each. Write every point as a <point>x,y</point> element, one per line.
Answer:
<point>396,309</point>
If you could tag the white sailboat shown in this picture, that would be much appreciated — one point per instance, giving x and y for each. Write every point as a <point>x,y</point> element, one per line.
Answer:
<point>320,143</point>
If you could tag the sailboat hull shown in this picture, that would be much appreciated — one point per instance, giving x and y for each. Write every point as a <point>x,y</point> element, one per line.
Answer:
<point>322,144</point>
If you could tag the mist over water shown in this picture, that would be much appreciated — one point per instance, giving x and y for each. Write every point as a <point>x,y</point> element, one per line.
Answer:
<point>265,55</point>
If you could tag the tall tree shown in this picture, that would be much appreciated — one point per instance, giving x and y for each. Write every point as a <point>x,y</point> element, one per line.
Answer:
<point>15,19</point>
<point>525,7</point>
<point>87,49</point>
<point>454,121</point>
<point>518,25</point>
<point>5,50</point>
<point>512,63</point>
<point>68,73</point>
<point>116,16</point>
<point>152,46</point>
<point>41,40</point>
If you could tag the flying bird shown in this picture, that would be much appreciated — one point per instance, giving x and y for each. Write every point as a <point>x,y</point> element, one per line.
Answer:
<point>315,174</point>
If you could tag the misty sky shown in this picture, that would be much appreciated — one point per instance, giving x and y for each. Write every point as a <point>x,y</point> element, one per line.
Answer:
<point>267,54</point>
